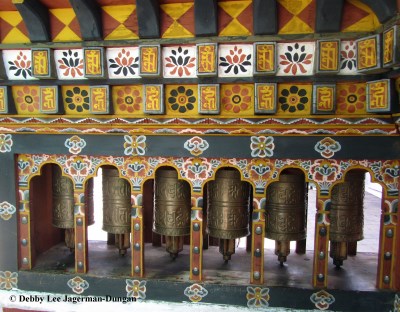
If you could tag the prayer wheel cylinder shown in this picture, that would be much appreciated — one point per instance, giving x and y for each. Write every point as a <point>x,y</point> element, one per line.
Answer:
<point>286,213</point>
<point>116,207</point>
<point>89,202</point>
<point>172,209</point>
<point>63,205</point>
<point>346,215</point>
<point>228,209</point>
<point>63,201</point>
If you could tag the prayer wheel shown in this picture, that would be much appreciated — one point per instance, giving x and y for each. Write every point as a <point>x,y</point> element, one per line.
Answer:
<point>63,205</point>
<point>346,215</point>
<point>117,207</point>
<point>89,202</point>
<point>172,208</point>
<point>286,213</point>
<point>228,209</point>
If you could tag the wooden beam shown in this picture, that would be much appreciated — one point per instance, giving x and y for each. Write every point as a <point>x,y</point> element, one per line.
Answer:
<point>36,19</point>
<point>148,14</point>
<point>88,13</point>
<point>265,19</point>
<point>329,15</point>
<point>206,17</point>
<point>384,9</point>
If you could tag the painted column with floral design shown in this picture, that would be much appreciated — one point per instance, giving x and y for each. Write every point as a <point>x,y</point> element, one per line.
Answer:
<point>137,246</point>
<point>321,241</point>
<point>25,259</point>
<point>196,238</point>
<point>81,243</point>
<point>396,275</point>
<point>388,254</point>
<point>257,243</point>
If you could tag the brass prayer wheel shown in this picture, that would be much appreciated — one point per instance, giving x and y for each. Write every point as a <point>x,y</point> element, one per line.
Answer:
<point>89,202</point>
<point>346,215</point>
<point>228,209</point>
<point>172,208</point>
<point>116,207</point>
<point>63,200</point>
<point>63,205</point>
<point>286,213</point>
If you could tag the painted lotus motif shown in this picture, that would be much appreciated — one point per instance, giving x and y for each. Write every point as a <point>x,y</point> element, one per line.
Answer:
<point>136,289</point>
<point>8,280</point>
<point>262,146</point>
<point>6,143</point>
<point>70,64</point>
<point>257,297</point>
<point>179,62</point>
<point>134,145</point>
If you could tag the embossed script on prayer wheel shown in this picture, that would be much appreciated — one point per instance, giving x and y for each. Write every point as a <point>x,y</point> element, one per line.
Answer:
<point>346,215</point>
<point>172,205</point>
<point>116,202</point>
<point>347,209</point>
<point>63,200</point>
<point>285,209</point>
<point>228,205</point>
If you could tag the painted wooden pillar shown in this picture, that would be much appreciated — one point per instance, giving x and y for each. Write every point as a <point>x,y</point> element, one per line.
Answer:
<point>321,242</point>
<point>196,239</point>
<point>396,255</point>
<point>257,244</point>
<point>81,243</point>
<point>24,220</point>
<point>137,246</point>
<point>388,253</point>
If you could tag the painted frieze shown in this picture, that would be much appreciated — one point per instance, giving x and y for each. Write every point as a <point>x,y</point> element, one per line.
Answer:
<point>265,98</point>
<point>237,99</point>
<point>235,60</point>
<point>94,62</point>
<point>42,63</point>
<point>69,64</point>
<point>378,96</point>
<point>153,99</point>
<point>350,98</point>
<point>207,59</point>
<point>181,99</point>
<point>123,62</point>
<point>179,61</point>
<point>99,99</point>
<point>49,100</point>
<point>348,58</point>
<point>76,99</point>
<point>389,45</point>
<point>18,64</point>
<point>324,99</point>
<point>294,99</point>
<point>208,99</point>
<point>27,99</point>
<point>150,60</point>
<point>328,52</point>
<point>368,54</point>
<point>264,58</point>
<point>296,59</point>
<point>127,99</point>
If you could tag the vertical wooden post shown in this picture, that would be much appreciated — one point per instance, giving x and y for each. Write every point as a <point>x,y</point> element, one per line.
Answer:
<point>137,246</point>
<point>196,244</point>
<point>24,220</point>
<point>81,261</point>
<point>387,271</point>
<point>257,244</point>
<point>321,242</point>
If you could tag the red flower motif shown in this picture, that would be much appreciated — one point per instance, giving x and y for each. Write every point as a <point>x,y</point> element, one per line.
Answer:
<point>129,99</point>
<point>180,61</point>
<point>72,64</point>
<point>295,58</point>
<point>351,98</point>
<point>236,99</point>
<point>235,60</point>
<point>28,99</point>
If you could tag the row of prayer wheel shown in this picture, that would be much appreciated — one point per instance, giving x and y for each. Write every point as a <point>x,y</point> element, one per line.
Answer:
<point>228,210</point>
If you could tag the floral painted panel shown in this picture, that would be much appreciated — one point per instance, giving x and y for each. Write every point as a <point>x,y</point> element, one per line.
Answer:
<point>69,64</point>
<point>26,99</point>
<point>128,99</point>
<point>18,64</point>
<point>179,61</point>
<point>296,59</point>
<point>123,62</point>
<point>348,58</point>
<point>181,99</point>
<point>237,100</point>
<point>235,60</point>
<point>294,99</point>
<point>351,98</point>
<point>76,100</point>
